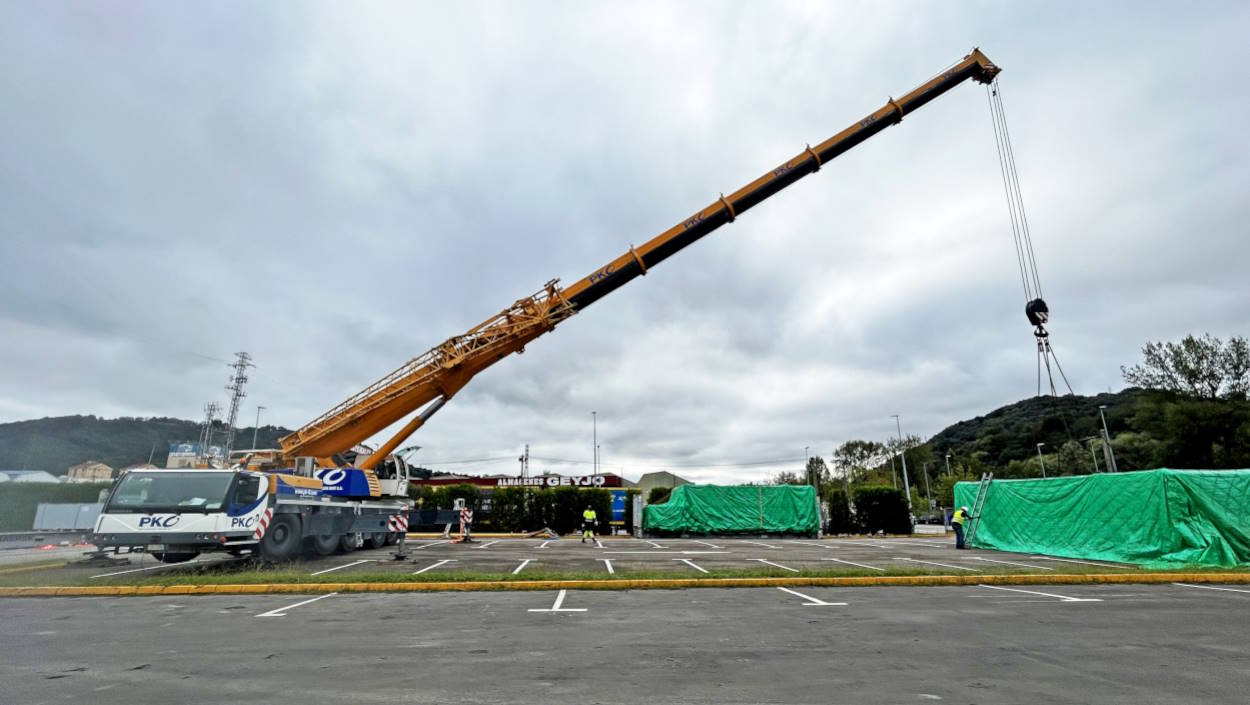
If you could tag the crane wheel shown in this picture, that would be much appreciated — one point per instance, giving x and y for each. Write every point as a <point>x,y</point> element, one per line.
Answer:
<point>171,557</point>
<point>347,543</point>
<point>324,544</point>
<point>376,539</point>
<point>282,540</point>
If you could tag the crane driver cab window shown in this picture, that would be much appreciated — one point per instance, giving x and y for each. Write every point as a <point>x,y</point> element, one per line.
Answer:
<point>246,490</point>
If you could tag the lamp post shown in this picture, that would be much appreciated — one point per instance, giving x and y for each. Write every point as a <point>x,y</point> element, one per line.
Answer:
<point>594,443</point>
<point>1039,459</point>
<point>1106,438</point>
<point>928,496</point>
<point>1093,456</point>
<point>948,464</point>
<point>256,428</point>
<point>902,452</point>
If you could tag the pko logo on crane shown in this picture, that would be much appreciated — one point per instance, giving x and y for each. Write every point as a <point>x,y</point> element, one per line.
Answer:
<point>158,521</point>
<point>601,274</point>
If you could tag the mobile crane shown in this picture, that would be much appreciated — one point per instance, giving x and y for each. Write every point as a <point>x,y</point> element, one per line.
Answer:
<point>320,485</point>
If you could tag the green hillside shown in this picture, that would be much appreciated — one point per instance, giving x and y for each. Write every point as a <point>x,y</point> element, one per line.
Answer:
<point>54,444</point>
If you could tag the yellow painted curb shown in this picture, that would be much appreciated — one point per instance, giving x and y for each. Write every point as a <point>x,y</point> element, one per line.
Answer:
<point>625,584</point>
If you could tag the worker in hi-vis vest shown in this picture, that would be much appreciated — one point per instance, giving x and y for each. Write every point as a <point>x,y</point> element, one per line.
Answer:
<point>588,524</point>
<point>957,521</point>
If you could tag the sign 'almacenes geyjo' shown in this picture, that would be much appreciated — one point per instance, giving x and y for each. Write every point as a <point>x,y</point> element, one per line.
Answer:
<point>553,481</point>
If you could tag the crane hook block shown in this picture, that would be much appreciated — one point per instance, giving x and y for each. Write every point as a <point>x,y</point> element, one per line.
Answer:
<point>1037,312</point>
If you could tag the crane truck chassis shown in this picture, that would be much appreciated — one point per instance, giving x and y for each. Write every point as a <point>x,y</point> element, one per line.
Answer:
<point>178,514</point>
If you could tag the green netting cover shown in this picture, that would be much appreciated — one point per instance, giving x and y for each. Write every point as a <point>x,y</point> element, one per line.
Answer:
<point>1156,518</point>
<point>737,509</point>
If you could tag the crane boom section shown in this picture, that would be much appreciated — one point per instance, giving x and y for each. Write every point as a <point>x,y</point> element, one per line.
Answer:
<point>724,210</point>
<point>443,370</point>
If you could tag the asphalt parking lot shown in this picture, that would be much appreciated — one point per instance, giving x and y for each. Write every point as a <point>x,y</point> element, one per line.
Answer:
<point>972,644</point>
<point>612,557</point>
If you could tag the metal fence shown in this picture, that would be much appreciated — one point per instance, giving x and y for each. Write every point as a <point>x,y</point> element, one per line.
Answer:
<point>66,517</point>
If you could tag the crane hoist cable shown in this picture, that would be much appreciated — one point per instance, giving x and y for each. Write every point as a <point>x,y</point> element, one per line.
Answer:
<point>1035,307</point>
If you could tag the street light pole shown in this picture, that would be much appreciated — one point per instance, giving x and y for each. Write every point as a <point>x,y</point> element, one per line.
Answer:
<point>948,464</point>
<point>902,451</point>
<point>256,428</point>
<point>1093,456</point>
<point>1039,459</point>
<point>1106,438</point>
<point>594,421</point>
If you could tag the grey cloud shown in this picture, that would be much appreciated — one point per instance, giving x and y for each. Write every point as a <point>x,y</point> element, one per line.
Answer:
<point>337,189</point>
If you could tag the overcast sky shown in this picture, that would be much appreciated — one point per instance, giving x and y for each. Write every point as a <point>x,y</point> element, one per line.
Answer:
<point>337,187</point>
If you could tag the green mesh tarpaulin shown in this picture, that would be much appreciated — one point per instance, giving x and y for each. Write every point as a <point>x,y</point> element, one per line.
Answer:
<point>738,509</point>
<point>1155,518</point>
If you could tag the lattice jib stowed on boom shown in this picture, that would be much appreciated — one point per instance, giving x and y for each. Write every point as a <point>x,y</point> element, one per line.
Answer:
<point>433,376</point>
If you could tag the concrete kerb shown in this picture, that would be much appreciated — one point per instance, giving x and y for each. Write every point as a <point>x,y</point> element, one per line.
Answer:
<point>626,584</point>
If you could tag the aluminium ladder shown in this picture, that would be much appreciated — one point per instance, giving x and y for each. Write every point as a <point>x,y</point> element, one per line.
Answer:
<point>983,491</point>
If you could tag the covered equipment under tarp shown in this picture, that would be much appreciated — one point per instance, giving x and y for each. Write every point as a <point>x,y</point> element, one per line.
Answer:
<point>1155,518</point>
<point>737,509</point>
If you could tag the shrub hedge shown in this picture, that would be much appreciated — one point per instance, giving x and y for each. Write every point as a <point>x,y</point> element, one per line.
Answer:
<point>882,508</point>
<point>20,500</point>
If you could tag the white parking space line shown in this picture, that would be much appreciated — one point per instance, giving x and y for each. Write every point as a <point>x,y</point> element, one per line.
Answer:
<point>488,543</point>
<point>1212,587</point>
<point>608,562</point>
<point>944,565</point>
<point>777,565</point>
<point>543,544</point>
<point>656,544</point>
<point>523,564</point>
<point>705,543</point>
<point>649,553</point>
<point>597,544</point>
<point>1061,598</point>
<point>140,570</point>
<point>281,611</point>
<point>691,563</point>
<point>758,543</point>
<point>557,606</point>
<point>340,567</point>
<point>1071,560</point>
<point>925,544</point>
<point>704,553</point>
<point>434,565</point>
<point>857,565</point>
<point>435,543</point>
<point>1022,565</point>
<point>812,601</point>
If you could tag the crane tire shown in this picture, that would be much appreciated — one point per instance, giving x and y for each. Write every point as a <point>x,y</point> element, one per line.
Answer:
<point>376,539</point>
<point>347,543</point>
<point>175,557</point>
<point>323,544</point>
<point>392,538</point>
<point>282,539</point>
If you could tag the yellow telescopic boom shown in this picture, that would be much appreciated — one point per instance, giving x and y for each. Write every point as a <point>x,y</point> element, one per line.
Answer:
<point>436,376</point>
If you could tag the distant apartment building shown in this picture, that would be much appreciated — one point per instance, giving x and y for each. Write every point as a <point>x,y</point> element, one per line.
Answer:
<point>90,471</point>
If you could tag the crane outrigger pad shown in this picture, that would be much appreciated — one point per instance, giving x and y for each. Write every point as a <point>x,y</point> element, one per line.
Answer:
<point>738,509</point>
<point>1153,518</point>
